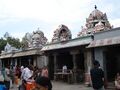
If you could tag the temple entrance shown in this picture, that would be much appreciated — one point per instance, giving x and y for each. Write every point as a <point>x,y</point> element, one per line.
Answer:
<point>68,59</point>
<point>112,62</point>
<point>64,59</point>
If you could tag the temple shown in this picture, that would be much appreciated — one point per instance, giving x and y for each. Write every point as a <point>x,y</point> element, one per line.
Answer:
<point>97,40</point>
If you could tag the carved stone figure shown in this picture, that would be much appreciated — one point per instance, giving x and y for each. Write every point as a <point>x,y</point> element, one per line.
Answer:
<point>8,48</point>
<point>62,33</point>
<point>94,18</point>
<point>36,39</point>
<point>28,38</point>
<point>83,31</point>
<point>99,27</point>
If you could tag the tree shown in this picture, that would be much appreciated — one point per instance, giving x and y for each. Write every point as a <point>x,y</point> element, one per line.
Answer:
<point>14,42</point>
<point>2,44</point>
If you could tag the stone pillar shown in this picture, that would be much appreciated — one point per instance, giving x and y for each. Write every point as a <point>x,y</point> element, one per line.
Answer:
<point>100,56</point>
<point>55,62</point>
<point>73,53</point>
<point>118,62</point>
<point>46,60</point>
<point>40,61</point>
<point>88,65</point>
<point>15,61</point>
<point>20,61</point>
<point>37,59</point>
<point>105,69</point>
<point>34,61</point>
<point>29,61</point>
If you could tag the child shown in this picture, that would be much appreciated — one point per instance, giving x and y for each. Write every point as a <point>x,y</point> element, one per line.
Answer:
<point>117,82</point>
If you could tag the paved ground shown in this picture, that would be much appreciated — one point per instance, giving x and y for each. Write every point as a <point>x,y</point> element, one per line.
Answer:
<point>65,86</point>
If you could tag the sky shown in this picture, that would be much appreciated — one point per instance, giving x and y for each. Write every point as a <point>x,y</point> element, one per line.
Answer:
<point>17,17</point>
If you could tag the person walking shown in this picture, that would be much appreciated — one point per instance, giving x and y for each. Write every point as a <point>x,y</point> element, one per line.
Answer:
<point>44,73</point>
<point>97,76</point>
<point>41,83</point>
<point>7,77</point>
<point>117,82</point>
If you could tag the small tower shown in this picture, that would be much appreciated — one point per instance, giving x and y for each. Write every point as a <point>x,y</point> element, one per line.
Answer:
<point>62,33</point>
<point>95,18</point>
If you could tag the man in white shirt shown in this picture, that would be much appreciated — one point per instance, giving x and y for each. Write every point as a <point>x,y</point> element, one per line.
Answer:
<point>27,73</point>
<point>64,69</point>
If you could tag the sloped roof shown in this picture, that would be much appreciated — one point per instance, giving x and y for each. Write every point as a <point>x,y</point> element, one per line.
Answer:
<point>21,53</point>
<point>70,43</point>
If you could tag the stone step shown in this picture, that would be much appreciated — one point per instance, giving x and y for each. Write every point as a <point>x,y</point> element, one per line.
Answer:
<point>110,86</point>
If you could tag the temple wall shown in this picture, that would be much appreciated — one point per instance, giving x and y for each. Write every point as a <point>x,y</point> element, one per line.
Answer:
<point>42,61</point>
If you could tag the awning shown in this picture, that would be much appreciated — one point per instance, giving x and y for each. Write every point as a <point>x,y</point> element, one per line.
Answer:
<point>27,53</point>
<point>8,55</point>
<point>21,53</point>
<point>104,42</point>
<point>67,44</point>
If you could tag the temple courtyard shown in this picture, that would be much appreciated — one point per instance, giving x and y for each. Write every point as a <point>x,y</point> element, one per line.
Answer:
<point>64,86</point>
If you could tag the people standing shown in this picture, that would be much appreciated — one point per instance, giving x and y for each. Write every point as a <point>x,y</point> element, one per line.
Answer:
<point>117,82</point>
<point>41,83</point>
<point>27,78</point>
<point>2,84</point>
<point>12,77</point>
<point>97,76</point>
<point>44,73</point>
<point>7,77</point>
<point>64,69</point>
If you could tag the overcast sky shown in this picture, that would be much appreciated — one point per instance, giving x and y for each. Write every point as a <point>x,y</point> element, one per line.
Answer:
<point>21,16</point>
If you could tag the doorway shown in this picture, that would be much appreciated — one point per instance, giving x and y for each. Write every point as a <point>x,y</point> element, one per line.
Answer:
<point>112,62</point>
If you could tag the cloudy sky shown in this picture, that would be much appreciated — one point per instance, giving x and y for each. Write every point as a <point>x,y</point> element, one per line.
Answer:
<point>21,16</point>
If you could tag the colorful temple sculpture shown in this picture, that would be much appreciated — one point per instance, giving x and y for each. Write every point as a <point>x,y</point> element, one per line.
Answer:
<point>96,22</point>
<point>36,39</point>
<point>62,33</point>
<point>30,54</point>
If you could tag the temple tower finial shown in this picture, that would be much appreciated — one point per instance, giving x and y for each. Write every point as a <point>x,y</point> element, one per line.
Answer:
<point>95,7</point>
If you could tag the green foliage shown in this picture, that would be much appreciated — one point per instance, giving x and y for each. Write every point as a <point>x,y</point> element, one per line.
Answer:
<point>14,42</point>
<point>2,44</point>
<point>24,43</point>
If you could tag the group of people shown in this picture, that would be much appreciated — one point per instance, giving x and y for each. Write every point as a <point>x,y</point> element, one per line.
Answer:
<point>5,78</point>
<point>32,78</point>
<point>35,79</point>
